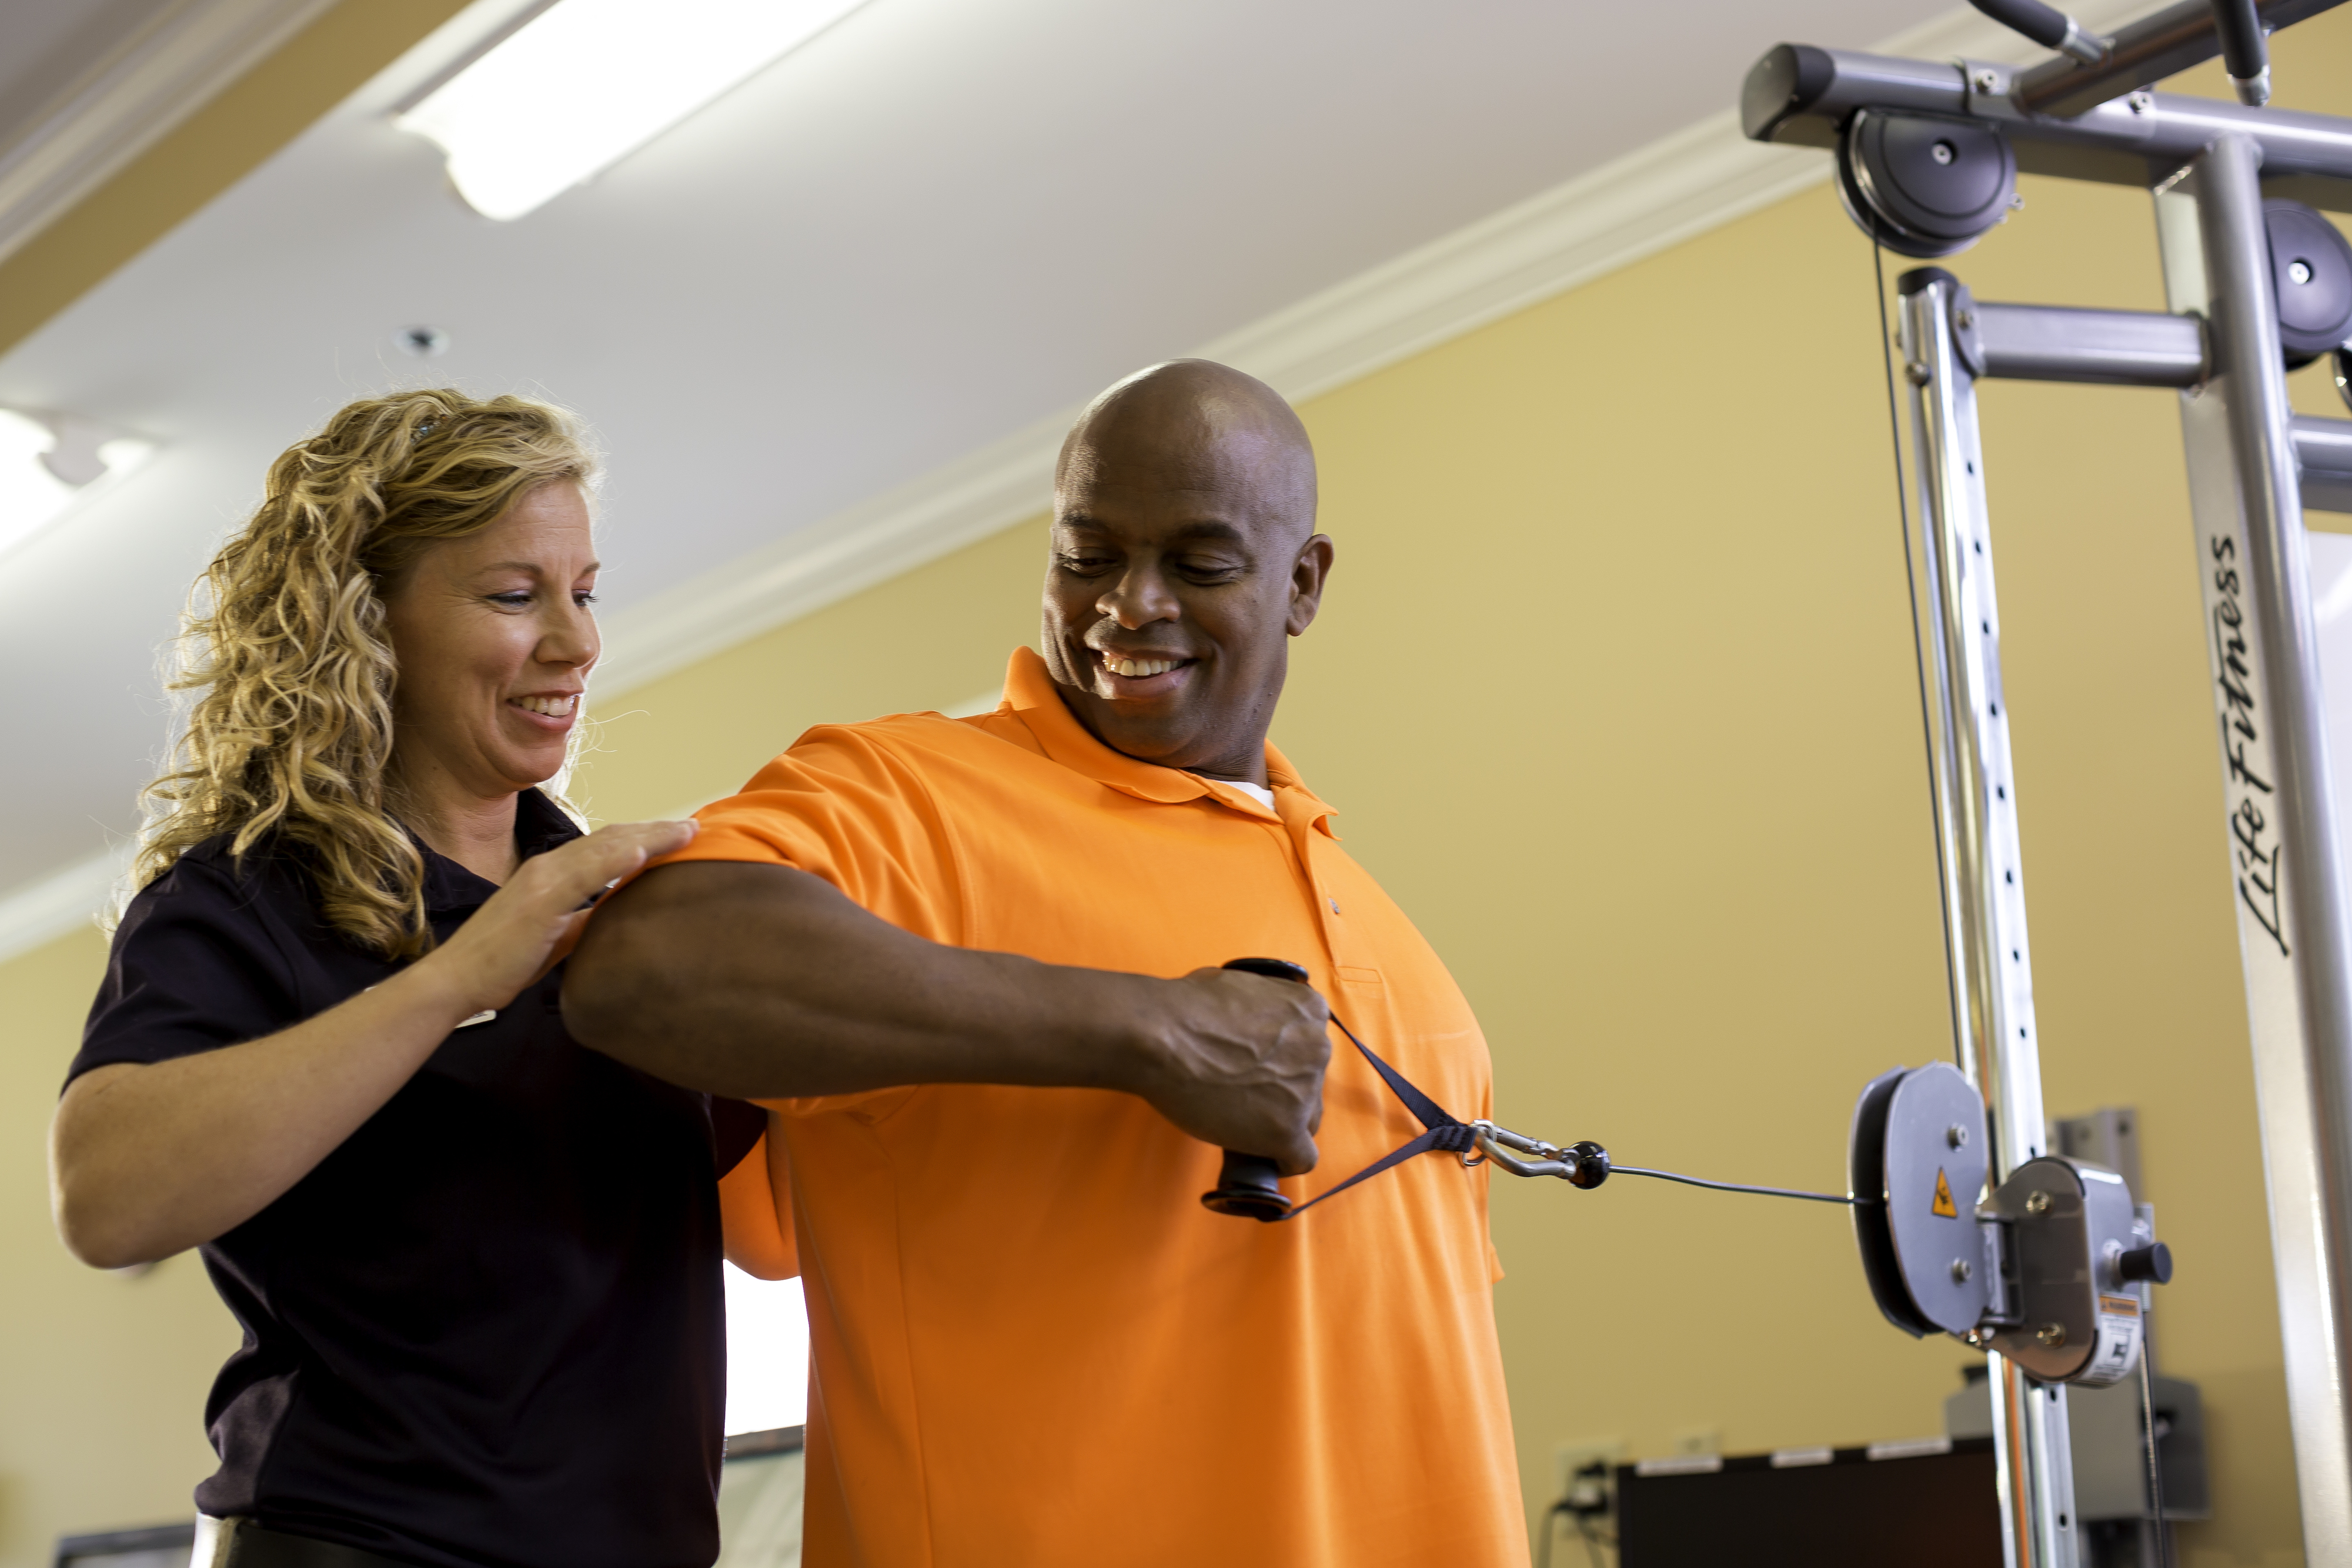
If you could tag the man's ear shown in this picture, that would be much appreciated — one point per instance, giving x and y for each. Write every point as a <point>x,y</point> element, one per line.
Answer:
<point>1307,576</point>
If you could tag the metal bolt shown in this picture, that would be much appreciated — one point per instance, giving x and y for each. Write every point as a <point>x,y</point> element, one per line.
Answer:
<point>1960,1271</point>
<point>1916,372</point>
<point>2298,271</point>
<point>2141,102</point>
<point>2037,1203</point>
<point>1956,1136</point>
<point>1943,152</point>
<point>1988,81</point>
<point>2051,1335</point>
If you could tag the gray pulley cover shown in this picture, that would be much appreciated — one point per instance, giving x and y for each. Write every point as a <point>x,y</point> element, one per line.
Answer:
<point>2081,1320</point>
<point>1918,1163</point>
<point>1925,185</point>
<point>2311,272</point>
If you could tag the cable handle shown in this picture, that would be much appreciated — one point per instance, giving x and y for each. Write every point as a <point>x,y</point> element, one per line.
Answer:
<point>1247,1185</point>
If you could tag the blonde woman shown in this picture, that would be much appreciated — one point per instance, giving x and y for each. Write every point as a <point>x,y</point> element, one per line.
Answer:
<point>477,1265</point>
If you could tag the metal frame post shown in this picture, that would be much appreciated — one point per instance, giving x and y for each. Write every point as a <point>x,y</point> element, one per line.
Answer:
<point>1984,879</point>
<point>2253,467</point>
<point>2285,845</point>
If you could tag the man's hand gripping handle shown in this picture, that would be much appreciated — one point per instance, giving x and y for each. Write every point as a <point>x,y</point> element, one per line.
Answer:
<point>1246,1183</point>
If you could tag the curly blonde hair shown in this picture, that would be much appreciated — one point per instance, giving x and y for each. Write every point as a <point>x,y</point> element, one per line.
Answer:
<point>291,737</point>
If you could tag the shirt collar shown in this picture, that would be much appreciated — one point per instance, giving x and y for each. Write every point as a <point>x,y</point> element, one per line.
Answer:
<point>1031,693</point>
<point>540,825</point>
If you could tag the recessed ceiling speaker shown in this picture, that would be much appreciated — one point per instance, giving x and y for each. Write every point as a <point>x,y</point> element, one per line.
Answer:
<point>1925,185</point>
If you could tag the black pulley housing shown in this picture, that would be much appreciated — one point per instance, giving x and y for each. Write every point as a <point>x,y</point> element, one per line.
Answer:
<point>1923,184</point>
<point>2311,273</point>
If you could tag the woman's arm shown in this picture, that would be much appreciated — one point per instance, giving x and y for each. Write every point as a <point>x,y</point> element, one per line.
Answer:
<point>148,1160</point>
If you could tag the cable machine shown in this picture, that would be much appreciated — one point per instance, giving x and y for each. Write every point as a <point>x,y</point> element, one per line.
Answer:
<point>2049,1273</point>
<point>1967,1224</point>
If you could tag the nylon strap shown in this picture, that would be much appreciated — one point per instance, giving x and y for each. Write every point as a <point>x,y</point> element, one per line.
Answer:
<point>1443,1133</point>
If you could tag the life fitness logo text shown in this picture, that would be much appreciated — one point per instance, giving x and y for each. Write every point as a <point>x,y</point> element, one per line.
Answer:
<point>2255,839</point>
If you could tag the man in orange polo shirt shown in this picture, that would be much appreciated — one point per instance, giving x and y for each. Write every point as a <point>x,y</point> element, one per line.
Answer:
<point>971,967</point>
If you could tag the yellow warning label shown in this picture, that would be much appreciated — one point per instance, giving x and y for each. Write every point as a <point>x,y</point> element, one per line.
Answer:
<point>1942,1205</point>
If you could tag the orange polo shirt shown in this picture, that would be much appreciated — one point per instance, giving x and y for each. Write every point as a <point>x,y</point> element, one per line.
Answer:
<point>1032,1345</point>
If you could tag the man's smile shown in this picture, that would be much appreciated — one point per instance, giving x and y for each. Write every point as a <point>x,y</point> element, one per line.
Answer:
<point>1147,672</point>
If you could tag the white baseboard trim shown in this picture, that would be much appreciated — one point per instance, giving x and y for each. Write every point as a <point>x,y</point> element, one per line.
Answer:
<point>1673,190</point>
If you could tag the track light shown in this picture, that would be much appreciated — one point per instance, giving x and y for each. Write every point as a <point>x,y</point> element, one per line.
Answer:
<point>50,462</point>
<point>584,83</point>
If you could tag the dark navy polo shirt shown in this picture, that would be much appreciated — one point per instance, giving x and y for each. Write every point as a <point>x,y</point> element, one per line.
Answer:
<point>489,1328</point>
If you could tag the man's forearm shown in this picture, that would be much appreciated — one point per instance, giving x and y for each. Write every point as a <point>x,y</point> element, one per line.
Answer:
<point>763,982</point>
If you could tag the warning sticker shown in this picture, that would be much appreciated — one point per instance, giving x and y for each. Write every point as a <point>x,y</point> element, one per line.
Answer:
<point>2116,1350</point>
<point>1943,1206</point>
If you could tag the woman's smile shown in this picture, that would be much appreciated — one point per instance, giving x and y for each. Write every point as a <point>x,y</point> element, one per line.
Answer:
<point>551,711</point>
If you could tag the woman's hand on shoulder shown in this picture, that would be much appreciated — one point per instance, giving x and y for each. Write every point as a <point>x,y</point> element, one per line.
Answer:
<point>530,924</point>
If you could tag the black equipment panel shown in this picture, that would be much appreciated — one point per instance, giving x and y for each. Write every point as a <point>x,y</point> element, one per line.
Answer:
<point>1926,1510</point>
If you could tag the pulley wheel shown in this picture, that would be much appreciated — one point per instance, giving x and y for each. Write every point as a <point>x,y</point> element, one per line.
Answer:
<point>1935,1173</point>
<point>1866,1176</point>
<point>2311,273</point>
<point>1918,1161</point>
<point>1925,185</point>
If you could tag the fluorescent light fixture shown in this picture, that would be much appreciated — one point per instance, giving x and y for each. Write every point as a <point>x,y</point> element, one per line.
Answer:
<point>584,83</point>
<point>49,463</point>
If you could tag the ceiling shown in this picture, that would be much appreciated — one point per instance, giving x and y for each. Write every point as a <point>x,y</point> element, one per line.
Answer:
<point>934,225</point>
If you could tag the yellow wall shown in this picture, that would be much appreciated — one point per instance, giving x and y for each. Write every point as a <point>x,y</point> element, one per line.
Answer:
<point>102,1377</point>
<point>1614,691</point>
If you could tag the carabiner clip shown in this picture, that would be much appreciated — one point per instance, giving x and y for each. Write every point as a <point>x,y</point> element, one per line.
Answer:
<point>1584,1165</point>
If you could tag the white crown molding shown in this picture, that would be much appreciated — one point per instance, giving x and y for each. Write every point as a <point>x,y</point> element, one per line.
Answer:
<point>149,82</point>
<point>1673,190</point>
<point>38,913</point>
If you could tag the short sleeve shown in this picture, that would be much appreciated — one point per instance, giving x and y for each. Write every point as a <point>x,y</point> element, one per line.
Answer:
<point>755,1207</point>
<point>736,1128</point>
<point>843,805</point>
<point>193,968</point>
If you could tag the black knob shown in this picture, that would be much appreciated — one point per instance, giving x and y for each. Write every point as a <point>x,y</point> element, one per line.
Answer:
<point>2152,1262</point>
<point>1592,1165</point>
<point>1246,1183</point>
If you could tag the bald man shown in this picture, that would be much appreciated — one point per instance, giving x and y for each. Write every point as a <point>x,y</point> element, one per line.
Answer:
<point>972,969</point>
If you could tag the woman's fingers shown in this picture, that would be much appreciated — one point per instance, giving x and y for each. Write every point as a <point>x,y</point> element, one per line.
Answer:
<point>530,924</point>
<point>580,869</point>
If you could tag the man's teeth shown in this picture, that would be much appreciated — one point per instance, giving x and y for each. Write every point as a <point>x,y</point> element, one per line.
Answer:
<point>1133,668</point>
<point>553,707</point>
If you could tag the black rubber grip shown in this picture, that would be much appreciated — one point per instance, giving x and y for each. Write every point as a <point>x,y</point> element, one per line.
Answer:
<point>2244,49</point>
<point>2044,25</point>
